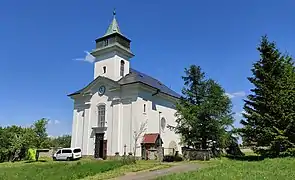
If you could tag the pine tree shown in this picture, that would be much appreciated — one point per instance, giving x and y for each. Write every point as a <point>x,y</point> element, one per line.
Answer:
<point>269,110</point>
<point>203,112</point>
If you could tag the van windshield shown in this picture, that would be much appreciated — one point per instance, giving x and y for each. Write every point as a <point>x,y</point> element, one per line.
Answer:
<point>77,150</point>
<point>66,151</point>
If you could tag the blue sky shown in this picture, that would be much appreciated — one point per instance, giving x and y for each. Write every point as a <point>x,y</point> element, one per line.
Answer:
<point>39,40</point>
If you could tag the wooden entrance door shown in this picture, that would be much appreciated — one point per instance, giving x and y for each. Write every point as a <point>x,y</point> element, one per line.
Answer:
<point>105,142</point>
<point>99,146</point>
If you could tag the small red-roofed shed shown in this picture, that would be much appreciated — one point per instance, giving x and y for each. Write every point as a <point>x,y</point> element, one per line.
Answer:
<point>151,142</point>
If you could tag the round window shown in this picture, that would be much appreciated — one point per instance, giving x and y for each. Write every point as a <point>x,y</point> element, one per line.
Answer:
<point>163,123</point>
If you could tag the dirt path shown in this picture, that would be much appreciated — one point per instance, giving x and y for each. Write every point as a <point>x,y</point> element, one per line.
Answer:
<point>161,172</point>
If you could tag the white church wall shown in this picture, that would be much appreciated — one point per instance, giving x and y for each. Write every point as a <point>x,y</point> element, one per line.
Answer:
<point>106,100</point>
<point>139,117</point>
<point>87,130</point>
<point>80,123</point>
<point>114,129</point>
<point>120,130</point>
<point>112,62</point>
<point>165,105</point>
<point>126,126</point>
<point>123,118</point>
<point>74,129</point>
<point>118,120</point>
<point>90,137</point>
<point>83,134</point>
<point>79,130</point>
<point>129,116</point>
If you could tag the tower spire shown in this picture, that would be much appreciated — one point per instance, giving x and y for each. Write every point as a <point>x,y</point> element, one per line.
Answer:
<point>112,50</point>
<point>114,26</point>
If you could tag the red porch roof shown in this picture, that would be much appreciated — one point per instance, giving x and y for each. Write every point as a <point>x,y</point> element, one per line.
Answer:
<point>150,138</point>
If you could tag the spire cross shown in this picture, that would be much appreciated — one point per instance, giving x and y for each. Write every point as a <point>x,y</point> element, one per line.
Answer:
<point>114,12</point>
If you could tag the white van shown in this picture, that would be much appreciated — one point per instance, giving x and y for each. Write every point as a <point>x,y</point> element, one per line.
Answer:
<point>67,154</point>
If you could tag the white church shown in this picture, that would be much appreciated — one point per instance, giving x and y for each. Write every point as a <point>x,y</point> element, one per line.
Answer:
<point>110,109</point>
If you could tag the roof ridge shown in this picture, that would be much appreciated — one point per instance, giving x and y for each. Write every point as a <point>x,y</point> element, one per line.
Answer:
<point>134,77</point>
<point>151,77</point>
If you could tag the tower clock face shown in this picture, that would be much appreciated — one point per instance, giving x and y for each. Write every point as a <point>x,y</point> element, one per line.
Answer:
<point>101,90</point>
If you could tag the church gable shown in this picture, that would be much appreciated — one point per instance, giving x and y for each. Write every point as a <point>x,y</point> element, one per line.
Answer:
<point>134,79</point>
<point>102,86</point>
<point>95,85</point>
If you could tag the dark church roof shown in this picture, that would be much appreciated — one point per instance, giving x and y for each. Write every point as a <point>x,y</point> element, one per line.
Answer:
<point>137,77</point>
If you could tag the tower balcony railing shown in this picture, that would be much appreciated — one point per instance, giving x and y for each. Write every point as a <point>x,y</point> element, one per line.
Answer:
<point>101,126</point>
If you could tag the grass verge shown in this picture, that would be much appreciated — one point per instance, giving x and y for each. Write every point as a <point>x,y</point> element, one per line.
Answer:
<point>55,170</point>
<point>121,171</point>
<point>227,169</point>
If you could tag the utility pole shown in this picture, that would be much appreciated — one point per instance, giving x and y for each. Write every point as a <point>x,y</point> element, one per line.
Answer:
<point>160,123</point>
<point>83,126</point>
<point>160,147</point>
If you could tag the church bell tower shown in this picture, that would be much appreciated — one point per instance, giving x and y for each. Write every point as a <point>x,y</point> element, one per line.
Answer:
<point>112,53</point>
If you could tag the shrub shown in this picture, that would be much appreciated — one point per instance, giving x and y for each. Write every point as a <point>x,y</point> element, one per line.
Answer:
<point>178,158</point>
<point>290,152</point>
<point>234,150</point>
<point>171,158</point>
<point>126,160</point>
<point>168,158</point>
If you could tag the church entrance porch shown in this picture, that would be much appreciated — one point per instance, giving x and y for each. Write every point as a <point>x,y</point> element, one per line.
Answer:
<point>100,149</point>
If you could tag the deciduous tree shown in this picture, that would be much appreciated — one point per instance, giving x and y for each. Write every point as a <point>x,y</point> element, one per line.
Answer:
<point>39,127</point>
<point>138,134</point>
<point>61,141</point>
<point>16,140</point>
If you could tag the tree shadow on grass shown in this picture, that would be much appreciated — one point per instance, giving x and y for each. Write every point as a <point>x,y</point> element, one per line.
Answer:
<point>33,161</point>
<point>246,158</point>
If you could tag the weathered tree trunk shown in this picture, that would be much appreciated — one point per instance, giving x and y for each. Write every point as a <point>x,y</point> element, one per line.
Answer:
<point>135,147</point>
<point>204,143</point>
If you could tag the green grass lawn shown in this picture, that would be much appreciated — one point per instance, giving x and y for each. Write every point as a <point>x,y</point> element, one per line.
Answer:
<point>126,169</point>
<point>226,169</point>
<point>86,169</point>
<point>50,170</point>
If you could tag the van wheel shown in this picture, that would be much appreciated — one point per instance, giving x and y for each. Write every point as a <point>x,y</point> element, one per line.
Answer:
<point>54,159</point>
<point>68,158</point>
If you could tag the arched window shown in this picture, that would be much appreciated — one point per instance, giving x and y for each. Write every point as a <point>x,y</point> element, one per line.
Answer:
<point>104,69</point>
<point>163,123</point>
<point>173,147</point>
<point>122,68</point>
<point>101,115</point>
